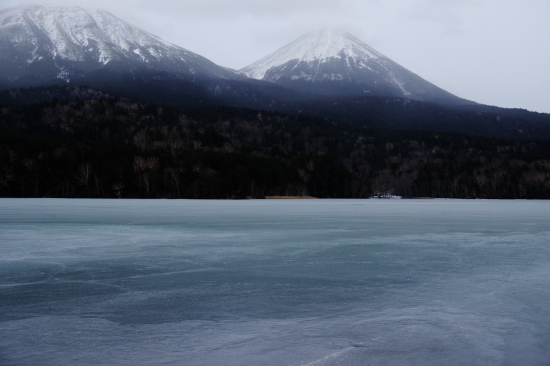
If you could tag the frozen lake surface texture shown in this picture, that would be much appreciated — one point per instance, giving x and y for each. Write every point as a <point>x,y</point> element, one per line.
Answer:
<point>265,282</point>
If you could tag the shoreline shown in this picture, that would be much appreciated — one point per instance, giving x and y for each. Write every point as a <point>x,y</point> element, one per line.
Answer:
<point>291,198</point>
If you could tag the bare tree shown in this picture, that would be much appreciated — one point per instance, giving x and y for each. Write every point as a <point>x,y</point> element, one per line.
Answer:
<point>84,174</point>
<point>175,177</point>
<point>481,180</point>
<point>28,163</point>
<point>118,187</point>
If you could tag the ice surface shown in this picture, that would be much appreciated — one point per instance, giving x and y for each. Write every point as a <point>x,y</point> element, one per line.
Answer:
<point>320,282</point>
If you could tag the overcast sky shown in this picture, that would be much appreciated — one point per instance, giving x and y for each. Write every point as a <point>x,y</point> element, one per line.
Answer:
<point>495,52</point>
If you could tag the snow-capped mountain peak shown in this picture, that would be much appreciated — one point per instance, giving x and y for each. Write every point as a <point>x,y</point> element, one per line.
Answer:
<point>316,46</point>
<point>69,40</point>
<point>332,61</point>
<point>73,29</point>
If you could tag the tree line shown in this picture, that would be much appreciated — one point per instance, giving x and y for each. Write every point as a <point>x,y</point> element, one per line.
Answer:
<point>101,146</point>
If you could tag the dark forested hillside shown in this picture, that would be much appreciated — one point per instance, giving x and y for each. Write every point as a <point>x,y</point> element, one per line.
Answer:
<point>374,112</point>
<point>401,113</point>
<point>101,146</point>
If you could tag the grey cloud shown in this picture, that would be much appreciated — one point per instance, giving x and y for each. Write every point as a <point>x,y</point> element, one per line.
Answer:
<point>239,8</point>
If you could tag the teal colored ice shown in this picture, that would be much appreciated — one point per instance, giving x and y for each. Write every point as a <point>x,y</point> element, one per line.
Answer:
<point>274,282</point>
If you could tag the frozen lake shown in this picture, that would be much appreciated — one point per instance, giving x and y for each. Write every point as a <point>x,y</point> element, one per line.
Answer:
<point>313,282</point>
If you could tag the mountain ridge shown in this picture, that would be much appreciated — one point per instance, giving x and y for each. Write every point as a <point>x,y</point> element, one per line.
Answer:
<point>200,82</point>
<point>47,43</point>
<point>332,61</point>
<point>42,45</point>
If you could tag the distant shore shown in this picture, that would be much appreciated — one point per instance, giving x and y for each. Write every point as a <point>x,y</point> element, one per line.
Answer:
<point>290,198</point>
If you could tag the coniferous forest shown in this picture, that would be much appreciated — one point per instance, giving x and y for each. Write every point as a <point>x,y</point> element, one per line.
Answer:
<point>102,146</point>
